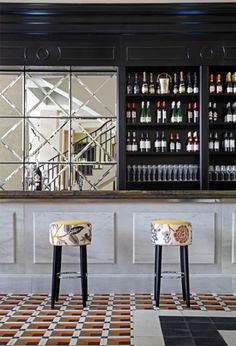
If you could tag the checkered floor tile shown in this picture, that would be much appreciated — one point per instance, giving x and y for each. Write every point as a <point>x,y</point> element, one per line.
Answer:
<point>108,319</point>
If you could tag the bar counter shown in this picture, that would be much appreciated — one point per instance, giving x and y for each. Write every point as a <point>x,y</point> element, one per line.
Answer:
<point>120,258</point>
<point>130,195</point>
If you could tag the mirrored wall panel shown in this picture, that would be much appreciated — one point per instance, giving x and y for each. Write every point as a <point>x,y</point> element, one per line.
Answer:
<point>58,130</point>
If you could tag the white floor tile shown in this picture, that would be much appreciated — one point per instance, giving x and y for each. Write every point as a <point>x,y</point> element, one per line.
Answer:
<point>146,323</point>
<point>149,341</point>
<point>229,337</point>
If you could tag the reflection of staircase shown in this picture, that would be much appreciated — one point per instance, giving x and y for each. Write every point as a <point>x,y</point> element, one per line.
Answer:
<point>90,156</point>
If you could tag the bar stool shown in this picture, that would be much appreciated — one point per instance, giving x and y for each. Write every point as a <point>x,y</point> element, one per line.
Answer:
<point>69,233</point>
<point>173,233</point>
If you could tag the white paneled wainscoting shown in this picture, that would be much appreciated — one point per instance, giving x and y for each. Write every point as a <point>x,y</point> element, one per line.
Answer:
<point>121,256</point>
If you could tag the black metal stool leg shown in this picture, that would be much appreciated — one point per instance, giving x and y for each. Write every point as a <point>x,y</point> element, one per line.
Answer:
<point>58,271</point>
<point>183,272</point>
<point>157,285</point>
<point>56,250</point>
<point>186,276</point>
<point>83,270</point>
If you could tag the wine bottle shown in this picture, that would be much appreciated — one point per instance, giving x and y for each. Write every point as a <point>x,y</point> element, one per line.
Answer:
<point>229,85</point>
<point>234,112</point>
<point>231,142</point>
<point>142,146</point>
<point>173,112</point>
<point>195,142</point>
<point>190,113</point>
<point>177,143</point>
<point>144,88</point>
<point>151,85</point>
<point>210,113</point>
<point>175,84</point>
<point>195,113</point>
<point>211,143</point>
<point>158,87</point>
<point>172,143</point>
<point>216,143</point>
<point>134,146</point>
<point>143,113</point>
<point>136,85</point>
<point>129,88</point>
<point>133,113</point>
<point>148,113</point>
<point>212,88</point>
<point>128,113</point>
<point>215,113</point>
<point>229,115</point>
<point>164,113</point>
<point>189,84</point>
<point>163,142</point>
<point>234,82</point>
<point>157,143</point>
<point>226,142</point>
<point>189,146</point>
<point>195,83</point>
<point>179,115</point>
<point>219,86</point>
<point>159,112</point>
<point>147,143</point>
<point>128,142</point>
<point>182,89</point>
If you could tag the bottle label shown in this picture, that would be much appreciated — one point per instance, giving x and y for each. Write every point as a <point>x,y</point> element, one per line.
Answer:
<point>134,147</point>
<point>172,146</point>
<point>212,89</point>
<point>195,116</point>
<point>229,89</point>
<point>128,147</point>
<point>232,144</point>
<point>128,115</point>
<point>133,116</point>
<point>189,147</point>
<point>216,146</point>
<point>142,145</point>
<point>178,146</point>
<point>219,89</point>
<point>195,147</point>
<point>195,90</point>
<point>158,116</point>
<point>227,145</point>
<point>164,116</point>
<point>211,146</point>
<point>147,145</point>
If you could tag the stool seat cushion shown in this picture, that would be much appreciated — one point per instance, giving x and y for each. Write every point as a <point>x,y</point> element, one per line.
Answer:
<point>171,232</point>
<point>70,233</point>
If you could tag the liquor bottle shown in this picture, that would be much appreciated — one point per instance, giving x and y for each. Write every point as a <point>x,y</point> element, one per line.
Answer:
<point>231,142</point>
<point>216,143</point>
<point>151,85</point>
<point>229,84</point>
<point>159,112</point>
<point>172,143</point>
<point>189,84</point>
<point>134,146</point>
<point>128,142</point>
<point>157,143</point>
<point>37,178</point>
<point>212,88</point>
<point>158,87</point>
<point>195,142</point>
<point>175,84</point>
<point>148,113</point>
<point>234,82</point>
<point>219,86</point>
<point>177,143</point>
<point>210,113</point>
<point>190,113</point>
<point>173,112</point>
<point>215,113</point>
<point>133,114</point>
<point>129,88</point>
<point>226,142</point>
<point>142,146</point>
<point>163,142</point>
<point>195,113</point>
<point>147,143</point>
<point>143,113</point>
<point>144,88</point>
<point>195,83</point>
<point>179,115</point>
<point>182,89</point>
<point>189,146</point>
<point>229,115</point>
<point>234,112</point>
<point>164,113</point>
<point>211,143</point>
<point>128,113</point>
<point>136,85</point>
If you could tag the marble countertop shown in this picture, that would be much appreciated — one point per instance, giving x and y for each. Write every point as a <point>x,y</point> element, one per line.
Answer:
<point>127,195</point>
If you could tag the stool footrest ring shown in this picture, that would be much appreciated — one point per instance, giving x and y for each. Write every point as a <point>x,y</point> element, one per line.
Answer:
<point>171,275</point>
<point>69,275</point>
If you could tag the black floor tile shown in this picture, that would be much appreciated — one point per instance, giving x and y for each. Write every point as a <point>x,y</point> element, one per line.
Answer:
<point>225,326</point>
<point>176,332</point>
<point>179,341</point>
<point>180,325</point>
<point>223,319</point>
<point>202,326</point>
<point>209,342</point>
<point>197,319</point>
<point>171,319</point>
<point>205,333</point>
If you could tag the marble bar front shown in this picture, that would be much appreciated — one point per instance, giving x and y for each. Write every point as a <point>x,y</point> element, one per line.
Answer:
<point>121,256</point>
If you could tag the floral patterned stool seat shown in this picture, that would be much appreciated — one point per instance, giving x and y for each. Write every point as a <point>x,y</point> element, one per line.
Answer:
<point>69,233</point>
<point>173,233</point>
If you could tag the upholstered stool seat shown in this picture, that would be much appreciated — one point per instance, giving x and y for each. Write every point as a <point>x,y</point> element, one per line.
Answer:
<point>69,233</point>
<point>172,233</point>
